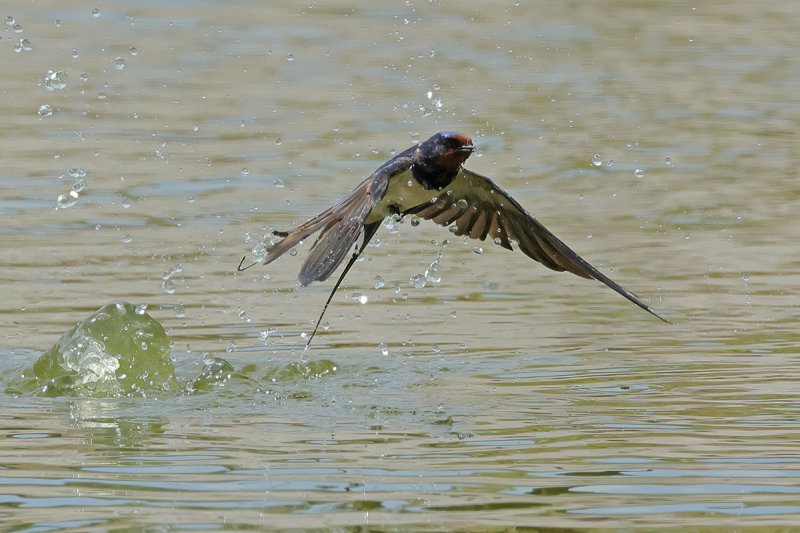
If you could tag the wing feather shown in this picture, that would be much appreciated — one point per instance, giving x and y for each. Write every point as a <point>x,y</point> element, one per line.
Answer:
<point>339,228</point>
<point>501,217</point>
<point>336,239</point>
<point>479,228</point>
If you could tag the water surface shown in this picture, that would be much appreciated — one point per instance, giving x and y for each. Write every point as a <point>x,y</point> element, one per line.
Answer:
<point>504,395</point>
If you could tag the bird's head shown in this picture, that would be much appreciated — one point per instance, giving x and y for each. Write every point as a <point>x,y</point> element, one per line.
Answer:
<point>447,150</point>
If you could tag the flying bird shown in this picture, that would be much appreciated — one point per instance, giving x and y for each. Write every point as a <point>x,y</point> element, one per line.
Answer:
<point>428,180</point>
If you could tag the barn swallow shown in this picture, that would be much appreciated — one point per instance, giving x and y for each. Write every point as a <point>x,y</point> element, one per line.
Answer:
<point>428,180</point>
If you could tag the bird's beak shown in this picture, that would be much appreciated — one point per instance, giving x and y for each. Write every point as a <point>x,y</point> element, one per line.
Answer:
<point>466,148</point>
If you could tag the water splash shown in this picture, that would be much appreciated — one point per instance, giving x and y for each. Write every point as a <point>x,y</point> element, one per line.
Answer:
<point>115,351</point>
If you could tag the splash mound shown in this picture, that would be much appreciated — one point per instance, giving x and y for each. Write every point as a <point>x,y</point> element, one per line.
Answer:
<point>118,350</point>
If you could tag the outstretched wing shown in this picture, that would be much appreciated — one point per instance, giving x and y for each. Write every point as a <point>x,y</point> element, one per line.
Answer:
<point>341,229</point>
<point>481,209</point>
<point>339,225</point>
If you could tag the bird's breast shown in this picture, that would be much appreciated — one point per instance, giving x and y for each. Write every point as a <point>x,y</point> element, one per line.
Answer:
<point>402,193</point>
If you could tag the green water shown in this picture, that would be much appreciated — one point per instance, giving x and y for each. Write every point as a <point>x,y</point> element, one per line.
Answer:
<point>502,396</point>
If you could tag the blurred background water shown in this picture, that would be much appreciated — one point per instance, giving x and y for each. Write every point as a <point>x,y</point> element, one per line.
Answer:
<point>147,146</point>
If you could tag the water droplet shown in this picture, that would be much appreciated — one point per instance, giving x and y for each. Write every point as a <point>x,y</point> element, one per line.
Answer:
<point>10,20</point>
<point>77,172</point>
<point>597,160</point>
<point>74,53</point>
<point>101,95</point>
<point>668,161</point>
<point>126,239</point>
<point>278,184</point>
<point>260,252</point>
<point>290,57</point>
<point>588,235</point>
<point>244,171</point>
<point>418,281</point>
<point>95,12</point>
<point>433,273</point>
<point>498,241</point>
<point>79,185</point>
<point>477,250</point>
<point>174,269</point>
<point>180,311</point>
<point>691,38</point>
<point>22,45</point>
<point>435,348</point>
<point>55,80</point>
<point>168,286</point>
<point>384,348</point>
<point>745,277</point>
<point>462,204</point>
<point>44,110</point>
<point>140,309</point>
<point>362,299</point>
<point>133,51</point>
<point>67,200</point>
<point>379,283</point>
<point>119,63</point>
<point>453,314</point>
<point>639,173</point>
<point>278,141</point>
<point>415,221</point>
<point>17,28</point>
<point>610,163</point>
